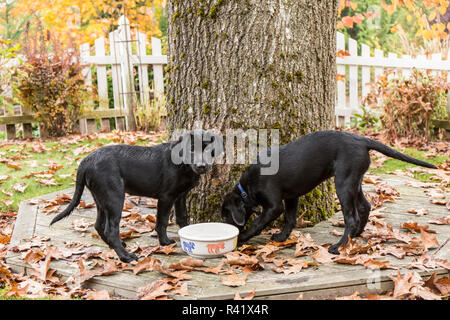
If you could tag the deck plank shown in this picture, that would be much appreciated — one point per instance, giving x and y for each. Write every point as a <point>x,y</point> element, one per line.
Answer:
<point>325,281</point>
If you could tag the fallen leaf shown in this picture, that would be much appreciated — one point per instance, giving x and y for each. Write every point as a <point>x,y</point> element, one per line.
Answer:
<point>154,290</point>
<point>418,212</point>
<point>84,205</point>
<point>146,264</point>
<point>415,227</point>
<point>14,165</point>
<point>440,221</point>
<point>249,296</point>
<point>322,255</point>
<point>403,284</point>
<point>233,280</point>
<point>443,285</point>
<point>374,264</point>
<point>181,290</point>
<point>4,177</point>
<point>20,187</point>
<point>188,263</point>
<point>81,225</point>
<point>429,240</point>
<point>240,259</point>
<point>98,295</point>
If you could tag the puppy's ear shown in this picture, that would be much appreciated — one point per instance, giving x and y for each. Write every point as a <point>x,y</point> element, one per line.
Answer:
<point>238,215</point>
<point>174,143</point>
<point>180,149</point>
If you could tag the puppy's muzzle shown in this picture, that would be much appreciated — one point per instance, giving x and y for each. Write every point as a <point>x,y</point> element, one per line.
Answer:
<point>201,168</point>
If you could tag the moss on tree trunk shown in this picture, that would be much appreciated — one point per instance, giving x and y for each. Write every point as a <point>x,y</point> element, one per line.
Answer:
<point>252,64</point>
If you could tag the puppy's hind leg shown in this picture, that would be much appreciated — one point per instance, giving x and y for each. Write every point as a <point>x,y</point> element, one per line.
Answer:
<point>181,211</point>
<point>363,211</point>
<point>162,221</point>
<point>112,230</point>
<point>291,206</point>
<point>347,192</point>
<point>111,203</point>
<point>101,220</point>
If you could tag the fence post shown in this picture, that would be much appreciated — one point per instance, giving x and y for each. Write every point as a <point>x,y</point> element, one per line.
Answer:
<point>157,68</point>
<point>144,88</point>
<point>365,73</point>
<point>353,79</point>
<point>406,73</point>
<point>102,83</point>
<point>448,92</point>
<point>129,94</point>
<point>116,79</point>
<point>87,126</point>
<point>27,127</point>
<point>340,86</point>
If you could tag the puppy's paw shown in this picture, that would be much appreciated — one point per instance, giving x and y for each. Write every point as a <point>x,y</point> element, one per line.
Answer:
<point>129,257</point>
<point>334,249</point>
<point>242,238</point>
<point>278,237</point>
<point>183,224</point>
<point>166,242</point>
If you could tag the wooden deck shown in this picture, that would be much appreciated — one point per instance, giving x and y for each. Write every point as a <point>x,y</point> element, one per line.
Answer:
<point>326,281</point>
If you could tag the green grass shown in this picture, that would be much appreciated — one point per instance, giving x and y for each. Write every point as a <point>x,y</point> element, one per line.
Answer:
<point>62,154</point>
<point>4,291</point>
<point>391,165</point>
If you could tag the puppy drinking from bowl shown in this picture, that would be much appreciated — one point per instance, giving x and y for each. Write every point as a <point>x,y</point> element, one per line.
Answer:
<point>303,164</point>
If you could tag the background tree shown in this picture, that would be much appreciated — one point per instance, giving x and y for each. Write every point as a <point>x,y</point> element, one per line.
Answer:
<point>12,25</point>
<point>252,64</point>
<point>85,21</point>
<point>402,26</point>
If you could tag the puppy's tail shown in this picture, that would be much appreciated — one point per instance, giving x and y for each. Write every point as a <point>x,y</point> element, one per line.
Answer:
<point>76,196</point>
<point>375,145</point>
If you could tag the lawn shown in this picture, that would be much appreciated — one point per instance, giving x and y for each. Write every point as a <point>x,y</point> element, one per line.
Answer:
<point>50,166</point>
<point>33,169</point>
<point>391,165</point>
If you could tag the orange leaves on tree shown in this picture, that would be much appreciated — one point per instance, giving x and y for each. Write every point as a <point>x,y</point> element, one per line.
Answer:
<point>348,21</point>
<point>342,53</point>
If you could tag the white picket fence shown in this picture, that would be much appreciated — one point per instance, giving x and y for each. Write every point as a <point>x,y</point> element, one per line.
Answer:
<point>122,60</point>
<point>351,92</point>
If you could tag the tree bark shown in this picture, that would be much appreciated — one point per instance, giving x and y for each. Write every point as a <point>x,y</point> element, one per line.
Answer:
<point>252,64</point>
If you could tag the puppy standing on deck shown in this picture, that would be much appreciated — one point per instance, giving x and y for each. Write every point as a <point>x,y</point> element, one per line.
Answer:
<point>303,164</point>
<point>111,171</point>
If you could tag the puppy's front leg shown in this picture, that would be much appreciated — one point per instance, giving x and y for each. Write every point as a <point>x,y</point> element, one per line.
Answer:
<point>181,211</point>
<point>267,216</point>
<point>291,206</point>
<point>162,221</point>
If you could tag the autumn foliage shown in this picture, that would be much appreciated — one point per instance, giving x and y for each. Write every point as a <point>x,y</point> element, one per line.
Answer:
<point>409,104</point>
<point>51,84</point>
<point>407,26</point>
<point>85,21</point>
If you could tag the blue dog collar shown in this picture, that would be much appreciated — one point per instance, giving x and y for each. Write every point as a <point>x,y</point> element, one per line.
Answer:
<point>244,194</point>
<point>246,199</point>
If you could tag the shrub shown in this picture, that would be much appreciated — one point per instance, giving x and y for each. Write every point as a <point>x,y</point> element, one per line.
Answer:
<point>365,120</point>
<point>9,61</point>
<point>409,104</point>
<point>51,84</point>
<point>148,116</point>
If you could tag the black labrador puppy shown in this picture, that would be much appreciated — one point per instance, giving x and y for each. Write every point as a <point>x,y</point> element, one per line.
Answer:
<point>303,164</point>
<point>154,172</point>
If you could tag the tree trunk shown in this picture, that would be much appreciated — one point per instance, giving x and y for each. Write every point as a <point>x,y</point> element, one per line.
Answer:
<point>252,64</point>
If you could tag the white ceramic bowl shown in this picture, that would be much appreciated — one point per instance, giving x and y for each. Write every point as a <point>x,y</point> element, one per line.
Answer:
<point>208,240</point>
